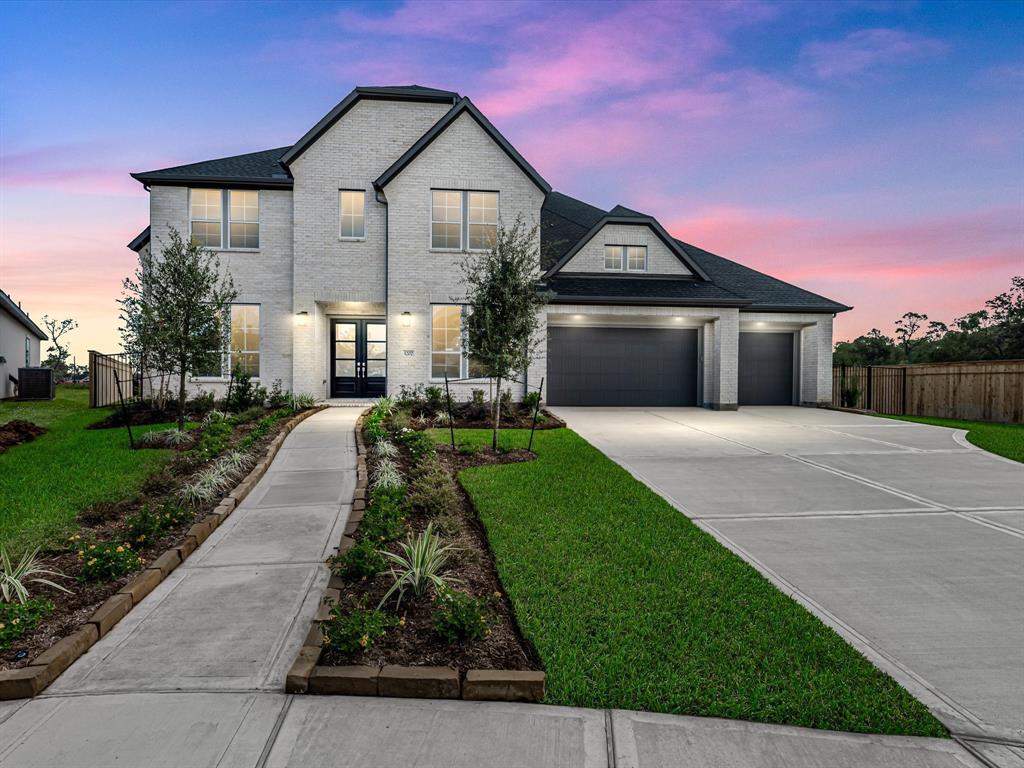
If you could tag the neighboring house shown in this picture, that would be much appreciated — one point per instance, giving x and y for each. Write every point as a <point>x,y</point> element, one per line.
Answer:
<point>19,343</point>
<point>346,250</point>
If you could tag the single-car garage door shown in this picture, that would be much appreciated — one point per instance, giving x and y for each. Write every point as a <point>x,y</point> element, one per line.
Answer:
<point>622,366</point>
<point>766,369</point>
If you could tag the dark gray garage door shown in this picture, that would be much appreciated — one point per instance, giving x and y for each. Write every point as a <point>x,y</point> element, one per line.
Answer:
<point>622,366</point>
<point>766,369</point>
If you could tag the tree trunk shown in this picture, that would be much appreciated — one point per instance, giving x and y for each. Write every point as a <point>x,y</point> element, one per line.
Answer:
<point>181,397</point>
<point>497,416</point>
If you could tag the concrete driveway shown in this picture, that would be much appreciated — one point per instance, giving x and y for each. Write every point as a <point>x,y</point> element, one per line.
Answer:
<point>903,537</point>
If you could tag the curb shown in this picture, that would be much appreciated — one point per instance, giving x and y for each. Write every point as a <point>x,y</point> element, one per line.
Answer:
<point>308,676</point>
<point>31,680</point>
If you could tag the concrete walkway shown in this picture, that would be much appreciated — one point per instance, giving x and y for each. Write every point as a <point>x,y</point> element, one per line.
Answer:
<point>904,537</point>
<point>194,675</point>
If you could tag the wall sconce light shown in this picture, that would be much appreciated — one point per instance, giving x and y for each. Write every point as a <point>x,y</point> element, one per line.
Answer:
<point>407,319</point>
<point>759,324</point>
<point>302,318</point>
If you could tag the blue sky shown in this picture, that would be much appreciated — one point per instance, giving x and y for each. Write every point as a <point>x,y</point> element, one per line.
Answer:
<point>869,151</point>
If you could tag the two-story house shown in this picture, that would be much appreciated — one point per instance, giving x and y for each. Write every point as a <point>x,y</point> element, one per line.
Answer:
<point>346,250</point>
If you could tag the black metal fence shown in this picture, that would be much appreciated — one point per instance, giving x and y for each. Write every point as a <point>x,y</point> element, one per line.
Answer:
<point>879,388</point>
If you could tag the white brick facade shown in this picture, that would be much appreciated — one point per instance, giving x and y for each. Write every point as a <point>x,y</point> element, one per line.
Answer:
<point>304,274</point>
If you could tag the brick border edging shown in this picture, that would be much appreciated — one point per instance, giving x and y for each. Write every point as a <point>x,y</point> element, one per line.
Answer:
<point>308,676</point>
<point>31,680</point>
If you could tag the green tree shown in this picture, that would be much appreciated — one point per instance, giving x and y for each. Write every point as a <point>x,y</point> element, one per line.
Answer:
<point>503,308</point>
<point>57,354</point>
<point>906,329</point>
<point>175,312</point>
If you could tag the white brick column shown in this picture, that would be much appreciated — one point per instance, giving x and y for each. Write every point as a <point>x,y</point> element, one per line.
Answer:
<point>726,363</point>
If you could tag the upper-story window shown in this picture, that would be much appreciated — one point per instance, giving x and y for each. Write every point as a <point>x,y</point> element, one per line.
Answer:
<point>463,220</point>
<point>244,231</point>
<point>352,206</point>
<point>629,258</point>
<point>210,228</point>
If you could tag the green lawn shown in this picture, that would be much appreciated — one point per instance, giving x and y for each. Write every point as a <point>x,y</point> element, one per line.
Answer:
<point>45,483</point>
<point>632,606</point>
<point>1002,439</point>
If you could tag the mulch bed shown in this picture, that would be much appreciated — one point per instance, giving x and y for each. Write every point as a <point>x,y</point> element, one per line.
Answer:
<point>416,644</point>
<point>18,431</point>
<point>105,521</point>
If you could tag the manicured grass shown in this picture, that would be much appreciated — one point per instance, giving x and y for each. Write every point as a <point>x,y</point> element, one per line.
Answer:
<point>632,606</point>
<point>1002,439</point>
<point>45,483</point>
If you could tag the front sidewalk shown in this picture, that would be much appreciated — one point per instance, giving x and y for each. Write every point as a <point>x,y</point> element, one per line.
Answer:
<point>194,676</point>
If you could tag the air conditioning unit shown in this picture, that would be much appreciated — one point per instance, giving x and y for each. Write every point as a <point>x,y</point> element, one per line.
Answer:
<point>36,384</point>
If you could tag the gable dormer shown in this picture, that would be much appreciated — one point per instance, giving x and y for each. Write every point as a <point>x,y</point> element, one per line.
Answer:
<point>628,244</point>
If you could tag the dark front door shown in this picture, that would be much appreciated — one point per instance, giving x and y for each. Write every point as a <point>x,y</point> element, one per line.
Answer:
<point>359,358</point>
<point>766,369</point>
<point>622,366</point>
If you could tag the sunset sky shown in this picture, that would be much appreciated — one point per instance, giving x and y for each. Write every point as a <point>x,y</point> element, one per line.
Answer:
<point>871,152</point>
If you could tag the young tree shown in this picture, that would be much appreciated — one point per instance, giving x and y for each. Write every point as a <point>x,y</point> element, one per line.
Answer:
<point>906,327</point>
<point>503,308</point>
<point>57,354</point>
<point>175,312</point>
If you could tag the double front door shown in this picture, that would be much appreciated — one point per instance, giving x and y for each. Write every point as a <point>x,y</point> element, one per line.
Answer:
<point>359,358</point>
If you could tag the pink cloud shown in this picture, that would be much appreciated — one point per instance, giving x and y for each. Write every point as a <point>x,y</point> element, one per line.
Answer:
<point>68,168</point>
<point>468,20</point>
<point>866,49</point>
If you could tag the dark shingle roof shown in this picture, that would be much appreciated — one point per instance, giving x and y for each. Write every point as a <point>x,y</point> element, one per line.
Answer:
<point>255,168</point>
<point>139,240</point>
<point>565,220</point>
<point>9,304</point>
<point>599,289</point>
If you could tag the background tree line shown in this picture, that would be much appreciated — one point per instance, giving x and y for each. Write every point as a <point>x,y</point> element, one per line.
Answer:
<point>995,332</point>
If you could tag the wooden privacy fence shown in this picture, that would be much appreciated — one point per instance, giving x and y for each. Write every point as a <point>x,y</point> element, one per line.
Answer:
<point>106,372</point>
<point>984,390</point>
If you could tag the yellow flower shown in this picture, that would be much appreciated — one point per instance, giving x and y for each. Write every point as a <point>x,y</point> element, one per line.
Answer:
<point>401,622</point>
<point>2,626</point>
<point>15,622</point>
<point>92,546</point>
<point>364,640</point>
<point>120,549</point>
<point>128,545</point>
<point>497,595</point>
<point>91,562</point>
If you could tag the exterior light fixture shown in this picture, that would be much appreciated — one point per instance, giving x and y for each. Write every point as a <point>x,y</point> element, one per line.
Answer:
<point>407,319</point>
<point>302,317</point>
<point>759,324</point>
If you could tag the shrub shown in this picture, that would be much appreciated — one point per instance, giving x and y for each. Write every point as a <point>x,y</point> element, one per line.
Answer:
<point>419,565</point>
<point>259,431</point>
<point>243,393</point>
<point>302,401</point>
<point>236,463</point>
<point>442,418</point>
<point>108,560</point>
<point>458,616</point>
<point>384,519</point>
<point>419,444</point>
<point>386,475</point>
<point>278,396</point>
<point>431,490</point>
<point>251,413</point>
<point>207,486</point>
<point>213,417</point>
<point>385,449</point>
<point>362,561</point>
<point>434,397</point>
<point>531,400</point>
<point>16,576</point>
<point>376,431</point>
<point>163,438</point>
<point>17,618</point>
<point>399,420</point>
<point>148,523</point>
<point>410,397</point>
<point>383,406</point>
<point>214,440</point>
<point>505,403</point>
<point>201,404</point>
<point>355,631</point>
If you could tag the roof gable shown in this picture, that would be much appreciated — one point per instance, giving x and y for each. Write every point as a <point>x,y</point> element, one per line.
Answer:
<point>255,170</point>
<point>464,106</point>
<point>635,219</point>
<point>388,93</point>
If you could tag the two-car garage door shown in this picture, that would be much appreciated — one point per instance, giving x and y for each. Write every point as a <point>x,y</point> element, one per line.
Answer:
<point>598,366</point>
<point>622,366</point>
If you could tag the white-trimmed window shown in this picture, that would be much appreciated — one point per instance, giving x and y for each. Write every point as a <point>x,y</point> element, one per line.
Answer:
<point>208,225</point>
<point>206,218</point>
<point>352,207</point>
<point>613,257</point>
<point>483,220</point>
<point>445,219</point>
<point>245,339</point>
<point>447,355</point>
<point>628,258</point>
<point>463,220</point>
<point>244,225</point>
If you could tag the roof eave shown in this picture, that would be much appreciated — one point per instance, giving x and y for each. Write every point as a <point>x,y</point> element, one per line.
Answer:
<point>227,182</point>
<point>19,315</point>
<point>809,309</point>
<point>647,300</point>
<point>140,240</point>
